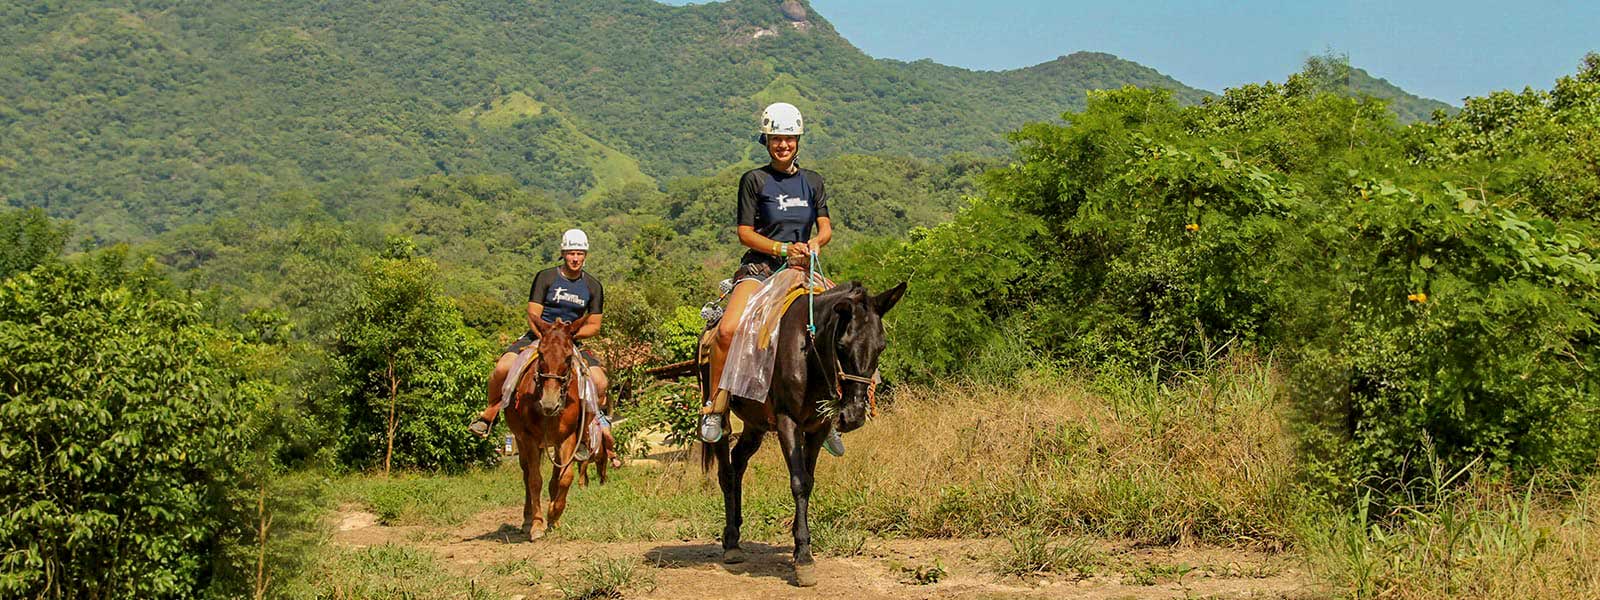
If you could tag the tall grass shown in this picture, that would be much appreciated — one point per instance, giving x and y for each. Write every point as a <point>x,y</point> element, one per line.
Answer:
<point>1198,458</point>
<point>1484,540</point>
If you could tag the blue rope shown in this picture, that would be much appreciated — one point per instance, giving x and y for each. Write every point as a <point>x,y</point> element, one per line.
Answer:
<point>811,298</point>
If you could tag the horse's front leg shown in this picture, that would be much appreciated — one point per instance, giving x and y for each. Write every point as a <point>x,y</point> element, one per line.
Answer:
<point>529,456</point>
<point>561,479</point>
<point>800,454</point>
<point>730,474</point>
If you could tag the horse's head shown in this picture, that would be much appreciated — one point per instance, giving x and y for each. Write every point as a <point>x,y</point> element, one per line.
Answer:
<point>554,367</point>
<point>858,341</point>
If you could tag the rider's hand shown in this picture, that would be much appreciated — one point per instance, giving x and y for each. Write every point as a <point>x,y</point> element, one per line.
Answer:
<point>799,249</point>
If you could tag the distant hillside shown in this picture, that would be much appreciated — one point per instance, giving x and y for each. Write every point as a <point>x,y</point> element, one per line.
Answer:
<point>1335,73</point>
<point>135,116</point>
<point>1410,107</point>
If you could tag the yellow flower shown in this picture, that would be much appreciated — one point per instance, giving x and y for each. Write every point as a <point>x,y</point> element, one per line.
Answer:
<point>1192,227</point>
<point>1419,297</point>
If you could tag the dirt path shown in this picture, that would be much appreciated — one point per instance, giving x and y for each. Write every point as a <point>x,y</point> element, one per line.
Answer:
<point>489,550</point>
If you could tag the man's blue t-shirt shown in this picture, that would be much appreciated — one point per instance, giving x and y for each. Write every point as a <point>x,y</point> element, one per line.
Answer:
<point>566,299</point>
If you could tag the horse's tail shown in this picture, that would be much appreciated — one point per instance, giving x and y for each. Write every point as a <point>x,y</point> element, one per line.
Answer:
<point>703,381</point>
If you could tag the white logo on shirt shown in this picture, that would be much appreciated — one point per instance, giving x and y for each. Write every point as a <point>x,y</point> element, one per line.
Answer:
<point>786,202</point>
<point>560,295</point>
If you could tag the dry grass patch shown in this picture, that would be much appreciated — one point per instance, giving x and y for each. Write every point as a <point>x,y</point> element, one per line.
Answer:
<point>1204,458</point>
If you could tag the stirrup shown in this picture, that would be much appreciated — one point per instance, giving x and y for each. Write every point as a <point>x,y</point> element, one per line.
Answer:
<point>480,427</point>
<point>711,428</point>
<point>834,443</point>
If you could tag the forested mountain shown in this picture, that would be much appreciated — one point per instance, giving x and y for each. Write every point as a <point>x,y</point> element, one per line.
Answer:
<point>135,116</point>
<point>1408,106</point>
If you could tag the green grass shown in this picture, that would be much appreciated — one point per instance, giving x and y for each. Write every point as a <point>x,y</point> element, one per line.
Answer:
<point>433,500</point>
<point>387,571</point>
<point>1030,553</point>
<point>607,578</point>
<point>503,112</point>
<point>612,169</point>
<point>1204,460</point>
<point>1484,540</point>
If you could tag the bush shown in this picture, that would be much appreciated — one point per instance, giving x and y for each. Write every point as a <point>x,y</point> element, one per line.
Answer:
<point>1418,302</point>
<point>671,408</point>
<point>411,374</point>
<point>118,440</point>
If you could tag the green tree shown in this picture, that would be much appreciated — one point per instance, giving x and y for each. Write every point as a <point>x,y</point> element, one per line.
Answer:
<point>411,373</point>
<point>29,238</point>
<point>118,438</point>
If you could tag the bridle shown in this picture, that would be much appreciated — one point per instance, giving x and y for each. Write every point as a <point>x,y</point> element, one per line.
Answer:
<point>538,371</point>
<point>839,372</point>
<point>814,272</point>
<point>843,376</point>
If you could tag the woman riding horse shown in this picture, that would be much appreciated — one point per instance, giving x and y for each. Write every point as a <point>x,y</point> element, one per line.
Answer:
<point>780,205</point>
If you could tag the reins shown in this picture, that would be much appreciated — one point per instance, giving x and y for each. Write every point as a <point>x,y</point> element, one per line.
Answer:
<point>582,409</point>
<point>813,274</point>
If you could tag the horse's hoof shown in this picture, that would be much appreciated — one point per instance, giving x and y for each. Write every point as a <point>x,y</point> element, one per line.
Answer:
<point>732,556</point>
<point>534,534</point>
<point>805,575</point>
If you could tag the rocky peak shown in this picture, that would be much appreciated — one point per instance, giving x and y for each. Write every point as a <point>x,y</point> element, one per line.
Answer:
<point>794,10</point>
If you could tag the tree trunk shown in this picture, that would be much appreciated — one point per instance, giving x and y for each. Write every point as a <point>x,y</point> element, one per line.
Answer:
<point>394,395</point>
<point>261,537</point>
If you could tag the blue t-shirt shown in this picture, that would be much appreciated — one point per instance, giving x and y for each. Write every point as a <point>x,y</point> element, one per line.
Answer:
<point>781,206</point>
<point>566,299</point>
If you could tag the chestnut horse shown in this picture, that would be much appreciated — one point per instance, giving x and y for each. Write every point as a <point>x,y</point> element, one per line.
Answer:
<point>546,412</point>
<point>832,370</point>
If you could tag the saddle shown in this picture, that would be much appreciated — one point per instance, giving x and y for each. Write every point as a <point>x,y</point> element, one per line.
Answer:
<point>519,365</point>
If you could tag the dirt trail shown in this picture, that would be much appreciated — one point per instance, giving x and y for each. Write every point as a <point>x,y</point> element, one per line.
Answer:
<point>883,569</point>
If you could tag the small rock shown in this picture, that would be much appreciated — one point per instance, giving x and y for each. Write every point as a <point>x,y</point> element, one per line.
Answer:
<point>357,520</point>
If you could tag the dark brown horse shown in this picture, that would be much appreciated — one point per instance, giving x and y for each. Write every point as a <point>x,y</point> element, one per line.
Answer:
<point>545,412</point>
<point>816,384</point>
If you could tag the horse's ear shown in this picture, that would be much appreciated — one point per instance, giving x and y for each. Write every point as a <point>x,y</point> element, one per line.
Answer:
<point>541,326</point>
<point>573,327</point>
<point>885,301</point>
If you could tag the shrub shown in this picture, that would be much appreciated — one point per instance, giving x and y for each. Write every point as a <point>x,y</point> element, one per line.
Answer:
<point>118,440</point>
<point>411,374</point>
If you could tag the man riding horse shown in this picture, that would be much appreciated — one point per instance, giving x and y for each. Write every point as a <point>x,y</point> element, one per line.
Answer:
<point>563,292</point>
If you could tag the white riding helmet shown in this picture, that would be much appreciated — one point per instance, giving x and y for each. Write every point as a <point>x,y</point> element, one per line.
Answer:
<point>574,239</point>
<point>781,118</point>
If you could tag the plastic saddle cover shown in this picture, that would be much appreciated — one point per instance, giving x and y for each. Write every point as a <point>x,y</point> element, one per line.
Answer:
<point>748,372</point>
<point>586,391</point>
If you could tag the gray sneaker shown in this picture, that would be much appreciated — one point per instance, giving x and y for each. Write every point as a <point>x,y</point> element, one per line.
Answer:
<point>479,428</point>
<point>711,429</point>
<point>834,444</point>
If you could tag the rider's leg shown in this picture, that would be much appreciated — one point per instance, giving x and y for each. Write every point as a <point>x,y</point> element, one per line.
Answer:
<point>598,376</point>
<point>497,380</point>
<point>737,301</point>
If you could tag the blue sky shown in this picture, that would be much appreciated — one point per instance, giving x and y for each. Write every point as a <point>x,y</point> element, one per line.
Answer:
<point>1442,50</point>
